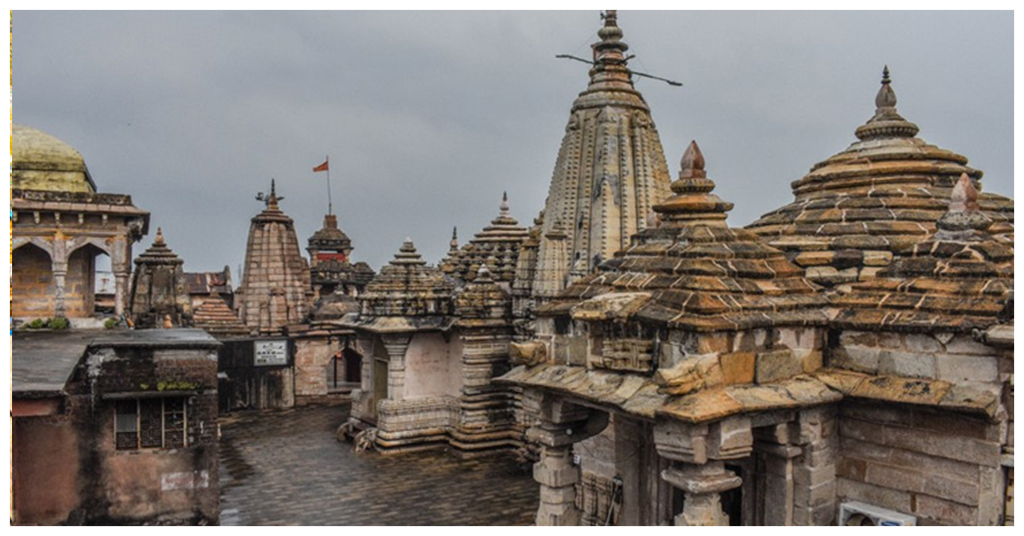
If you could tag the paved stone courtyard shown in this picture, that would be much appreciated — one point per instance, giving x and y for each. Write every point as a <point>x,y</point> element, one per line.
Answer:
<point>285,467</point>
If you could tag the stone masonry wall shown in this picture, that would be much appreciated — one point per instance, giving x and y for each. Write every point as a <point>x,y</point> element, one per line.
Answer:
<point>954,358</point>
<point>941,467</point>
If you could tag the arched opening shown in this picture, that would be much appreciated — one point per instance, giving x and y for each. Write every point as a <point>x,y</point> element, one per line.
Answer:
<point>105,285</point>
<point>344,372</point>
<point>32,290</point>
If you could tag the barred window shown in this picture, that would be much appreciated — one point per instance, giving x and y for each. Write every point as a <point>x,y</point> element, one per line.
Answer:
<point>150,423</point>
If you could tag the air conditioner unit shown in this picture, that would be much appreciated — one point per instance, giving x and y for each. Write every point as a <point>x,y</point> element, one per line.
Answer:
<point>858,514</point>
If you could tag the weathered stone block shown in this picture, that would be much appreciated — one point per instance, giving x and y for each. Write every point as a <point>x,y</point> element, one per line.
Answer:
<point>965,344</point>
<point>849,490</point>
<point>813,476</point>
<point>824,493</point>
<point>960,368</point>
<point>943,511</point>
<point>851,468</point>
<point>914,365</point>
<point>737,367</point>
<point>858,358</point>
<point>890,476</point>
<point>922,343</point>
<point>959,491</point>
<point>776,365</point>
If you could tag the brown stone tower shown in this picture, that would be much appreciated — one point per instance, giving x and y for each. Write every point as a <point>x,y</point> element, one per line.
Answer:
<point>609,174</point>
<point>159,293</point>
<point>275,287</point>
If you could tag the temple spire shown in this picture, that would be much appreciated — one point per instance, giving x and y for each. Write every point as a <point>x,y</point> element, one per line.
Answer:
<point>887,122</point>
<point>159,241</point>
<point>453,246</point>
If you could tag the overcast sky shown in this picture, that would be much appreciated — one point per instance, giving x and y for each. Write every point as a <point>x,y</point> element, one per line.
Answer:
<point>428,117</point>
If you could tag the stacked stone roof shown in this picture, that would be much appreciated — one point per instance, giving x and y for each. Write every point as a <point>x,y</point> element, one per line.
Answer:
<point>958,280</point>
<point>215,317</point>
<point>693,272</point>
<point>609,173</point>
<point>483,302</point>
<point>884,193</point>
<point>497,246</point>
<point>409,289</point>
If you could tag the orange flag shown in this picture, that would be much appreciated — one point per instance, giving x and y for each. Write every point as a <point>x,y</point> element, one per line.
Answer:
<point>322,167</point>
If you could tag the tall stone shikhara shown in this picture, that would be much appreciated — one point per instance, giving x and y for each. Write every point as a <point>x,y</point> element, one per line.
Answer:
<point>276,288</point>
<point>609,174</point>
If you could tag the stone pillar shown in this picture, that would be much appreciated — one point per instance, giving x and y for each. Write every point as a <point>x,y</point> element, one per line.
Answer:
<point>561,425</point>
<point>120,291</point>
<point>778,454</point>
<point>60,273</point>
<point>59,257</point>
<point>395,346</point>
<point>814,470</point>
<point>702,486</point>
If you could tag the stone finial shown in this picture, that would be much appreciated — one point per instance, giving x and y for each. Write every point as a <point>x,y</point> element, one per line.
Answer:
<point>963,215</point>
<point>964,196</point>
<point>483,274</point>
<point>159,240</point>
<point>887,122</point>
<point>504,204</point>
<point>610,31</point>
<point>692,163</point>
<point>693,201</point>
<point>453,245</point>
<point>886,97</point>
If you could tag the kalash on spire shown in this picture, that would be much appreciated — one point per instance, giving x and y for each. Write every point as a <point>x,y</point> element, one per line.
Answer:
<point>610,171</point>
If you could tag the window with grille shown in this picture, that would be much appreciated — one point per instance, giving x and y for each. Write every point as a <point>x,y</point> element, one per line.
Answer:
<point>150,423</point>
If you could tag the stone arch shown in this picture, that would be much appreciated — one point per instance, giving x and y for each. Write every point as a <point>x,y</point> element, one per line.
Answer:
<point>40,243</point>
<point>33,291</point>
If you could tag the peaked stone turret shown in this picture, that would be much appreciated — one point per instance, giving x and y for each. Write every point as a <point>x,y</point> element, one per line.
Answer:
<point>609,174</point>
<point>159,292</point>
<point>275,288</point>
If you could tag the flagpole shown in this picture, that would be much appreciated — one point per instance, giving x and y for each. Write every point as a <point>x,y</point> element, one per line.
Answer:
<point>330,206</point>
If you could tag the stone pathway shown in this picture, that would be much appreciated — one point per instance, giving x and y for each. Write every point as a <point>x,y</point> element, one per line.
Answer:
<point>285,467</point>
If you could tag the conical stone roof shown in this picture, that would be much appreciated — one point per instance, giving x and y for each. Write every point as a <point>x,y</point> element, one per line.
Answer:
<point>496,246</point>
<point>882,194</point>
<point>693,272</point>
<point>957,280</point>
<point>407,287</point>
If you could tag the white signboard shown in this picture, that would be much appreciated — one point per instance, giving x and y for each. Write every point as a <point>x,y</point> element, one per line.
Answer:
<point>270,353</point>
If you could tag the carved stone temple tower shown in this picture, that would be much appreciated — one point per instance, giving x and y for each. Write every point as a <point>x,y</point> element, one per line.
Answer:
<point>275,287</point>
<point>609,174</point>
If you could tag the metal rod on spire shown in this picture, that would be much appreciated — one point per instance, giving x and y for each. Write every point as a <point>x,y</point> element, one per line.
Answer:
<point>631,71</point>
